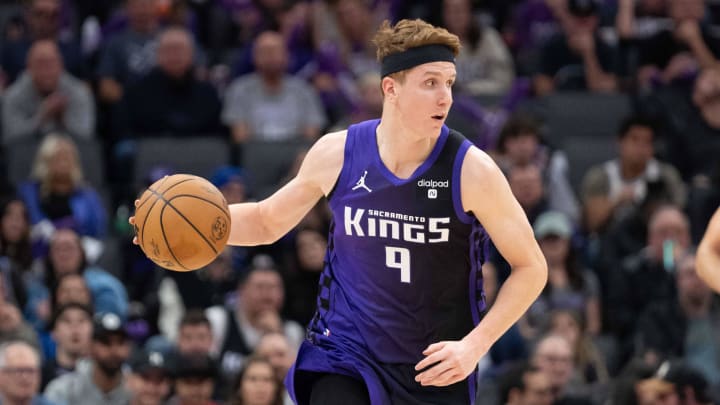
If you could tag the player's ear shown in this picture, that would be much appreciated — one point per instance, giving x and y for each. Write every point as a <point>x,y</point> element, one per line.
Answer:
<point>389,87</point>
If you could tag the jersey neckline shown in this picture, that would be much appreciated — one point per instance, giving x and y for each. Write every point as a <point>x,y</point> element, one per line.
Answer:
<point>437,148</point>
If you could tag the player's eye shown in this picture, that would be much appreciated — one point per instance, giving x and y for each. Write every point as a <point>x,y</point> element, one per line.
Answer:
<point>430,82</point>
<point>450,83</point>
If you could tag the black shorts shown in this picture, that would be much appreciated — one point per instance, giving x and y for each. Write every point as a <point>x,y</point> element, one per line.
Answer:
<point>399,382</point>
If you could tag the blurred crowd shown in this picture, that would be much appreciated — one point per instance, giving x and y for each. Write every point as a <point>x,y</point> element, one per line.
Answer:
<point>85,318</point>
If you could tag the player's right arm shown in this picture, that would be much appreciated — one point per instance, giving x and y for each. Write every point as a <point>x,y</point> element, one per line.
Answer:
<point>708,254</point>
<point>266,221</point>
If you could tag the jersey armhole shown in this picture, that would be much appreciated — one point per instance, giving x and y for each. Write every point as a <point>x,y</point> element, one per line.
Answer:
<point>347,162</point>
<point>462,215</point>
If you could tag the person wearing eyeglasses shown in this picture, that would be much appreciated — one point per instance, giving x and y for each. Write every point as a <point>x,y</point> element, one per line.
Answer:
<point>20,375</point>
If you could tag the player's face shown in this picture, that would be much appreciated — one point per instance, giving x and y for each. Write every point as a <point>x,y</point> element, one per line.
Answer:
<point>424,98</point>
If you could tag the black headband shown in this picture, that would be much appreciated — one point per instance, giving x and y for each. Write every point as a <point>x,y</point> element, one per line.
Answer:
<point>416,56</point>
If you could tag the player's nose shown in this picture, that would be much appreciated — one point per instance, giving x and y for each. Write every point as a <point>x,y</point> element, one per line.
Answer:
<point>445,96</point>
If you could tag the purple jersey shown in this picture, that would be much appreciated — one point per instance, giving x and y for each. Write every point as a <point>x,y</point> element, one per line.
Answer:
<point>403,262</point>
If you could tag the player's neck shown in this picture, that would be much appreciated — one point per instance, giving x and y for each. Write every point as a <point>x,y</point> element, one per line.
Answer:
<point>401,149</point>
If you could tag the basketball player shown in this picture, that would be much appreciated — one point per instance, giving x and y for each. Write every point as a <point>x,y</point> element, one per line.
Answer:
<point>400,304</point>
<point>708,254</point>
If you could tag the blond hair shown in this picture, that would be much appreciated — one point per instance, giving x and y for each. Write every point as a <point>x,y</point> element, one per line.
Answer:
<point>407,34</point>
<point>50,145</point>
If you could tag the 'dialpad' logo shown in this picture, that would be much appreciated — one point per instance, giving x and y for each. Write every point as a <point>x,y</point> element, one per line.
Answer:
<point>433,183</point>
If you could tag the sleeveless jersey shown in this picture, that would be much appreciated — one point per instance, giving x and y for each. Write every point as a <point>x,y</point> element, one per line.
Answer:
<point>403,266</point>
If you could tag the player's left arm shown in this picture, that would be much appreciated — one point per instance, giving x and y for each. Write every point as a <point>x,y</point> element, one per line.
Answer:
<point>486,193</point>
<point>708,254</point>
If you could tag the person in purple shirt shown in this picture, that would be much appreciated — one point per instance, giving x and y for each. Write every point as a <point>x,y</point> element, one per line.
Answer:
<point>401,313</point>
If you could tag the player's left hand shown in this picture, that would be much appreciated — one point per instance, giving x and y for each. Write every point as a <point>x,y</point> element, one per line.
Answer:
<point>131,221</point>
<point>448,362</point>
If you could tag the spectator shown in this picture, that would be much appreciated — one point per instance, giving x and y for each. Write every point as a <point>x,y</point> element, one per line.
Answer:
<point>533,23</point>
<point>554,357</point>
<point>611,190</point>
<point>42,19</point>
<point>57,195</point>
<point>12,325</point>
<point>194,377</point>
<point>71,328</point>
<point>100,379</point>
<point>654,391</point>
<point>237,332</point>
<point>698,143</point>
<point>148,380</point>
<point>678,52</point>
<point>180,292</point>
<point>309,262</point>
<point>66,257</point>
<point>524,384</point>
<point>71,288</point>
<point>232,183</point>
<point>131,54</point>
<point>20,375</point>
<point>46,98</point>
<point>256,384</point>
<point>13,291</point>
<point>637,20</point>
<point>668,239</point>
<point>685,326</point>
<point>577,59</point>
<point>527,187</point>
<point>691,386</point>
<point>275,347</point>
<point>194,334</point>
<point>569,285</point>
<point>591,361</point>
<point>370,101</point>
<point>520,144</point>
<point>15,233</point>
<point>282,107</point>
<point>484,65</point>
<point>170,99</point>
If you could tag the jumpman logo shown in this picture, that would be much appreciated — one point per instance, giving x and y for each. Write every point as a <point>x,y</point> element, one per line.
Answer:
<point>361,183</point>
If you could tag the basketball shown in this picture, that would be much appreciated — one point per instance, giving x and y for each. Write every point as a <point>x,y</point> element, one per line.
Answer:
<point>182,222</point>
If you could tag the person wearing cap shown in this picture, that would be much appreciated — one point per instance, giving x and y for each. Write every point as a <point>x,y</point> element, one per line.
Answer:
<point>691,386</point>
<point>576,59</point>
<point>570,286</point>
<point>232,183</point>
<point>654,391</point>
<point>149,379</point>
<point>20,374</point>
<point>100,379</point>
<point>194,380</point>
<point>71,329</point>
<point>685,326</point>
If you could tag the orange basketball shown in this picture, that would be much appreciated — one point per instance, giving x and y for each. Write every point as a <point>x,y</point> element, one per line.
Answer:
<point>182,222</point>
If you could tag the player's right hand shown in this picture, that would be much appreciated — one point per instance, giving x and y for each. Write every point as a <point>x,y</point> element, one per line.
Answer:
<point>131,220</point>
